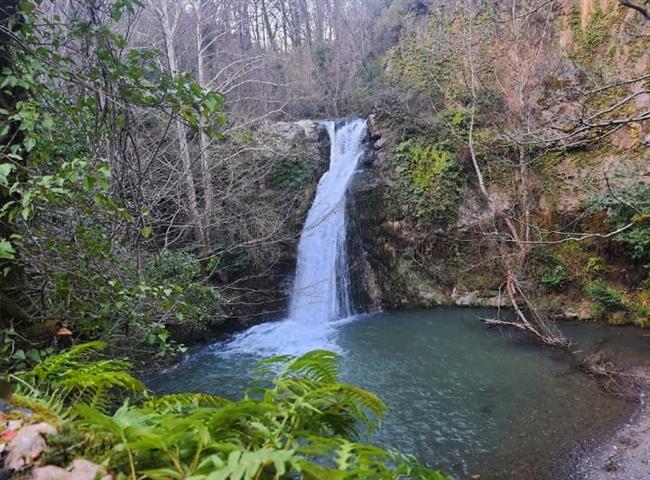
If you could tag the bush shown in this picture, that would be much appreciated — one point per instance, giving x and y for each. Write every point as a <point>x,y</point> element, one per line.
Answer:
<point>628,202</point>
<point>609,298</point>
<point>290,173</point>
<point>195,304</point>
<point>556,278</point>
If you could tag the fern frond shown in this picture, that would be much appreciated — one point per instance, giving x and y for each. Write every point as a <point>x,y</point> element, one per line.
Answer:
<point>56,365</point>
<point>83,378</point>
<point>318,365</point>
<point>178,402</point>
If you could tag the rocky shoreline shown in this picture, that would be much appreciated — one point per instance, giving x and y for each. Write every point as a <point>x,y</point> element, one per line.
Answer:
<point>625,454</point>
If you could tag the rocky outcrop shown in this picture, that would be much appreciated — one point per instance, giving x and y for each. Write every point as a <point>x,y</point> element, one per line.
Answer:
<point>309,130</point>
<point>383,246</point>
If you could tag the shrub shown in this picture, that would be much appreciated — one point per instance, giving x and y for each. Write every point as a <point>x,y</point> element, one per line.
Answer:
<point>627,202</point>
<point>194,303</point>
<point>555,278</point>
<point>609,298</point>
<point>290,173</point>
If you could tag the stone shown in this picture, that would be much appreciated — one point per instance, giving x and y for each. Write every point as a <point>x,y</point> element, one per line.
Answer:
<point>380,143</point>
<point>291,131</point>
<point>27,445</point>
<point>477,299</point>
<point>310,128</point>
<point>85,470</point>
<point>585,311</point>
<point>570,314</point>
<point>50,472</point>
<point>79,470</point>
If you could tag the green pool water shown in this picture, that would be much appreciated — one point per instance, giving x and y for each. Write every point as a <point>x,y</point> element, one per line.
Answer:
<point>464,398</point>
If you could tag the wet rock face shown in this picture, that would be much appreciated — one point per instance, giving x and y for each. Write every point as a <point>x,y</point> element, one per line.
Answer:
<point>365,285</point>
<point>393,264</point>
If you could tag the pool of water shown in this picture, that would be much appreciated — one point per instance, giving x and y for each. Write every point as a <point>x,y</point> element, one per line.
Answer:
<point>464,398</point>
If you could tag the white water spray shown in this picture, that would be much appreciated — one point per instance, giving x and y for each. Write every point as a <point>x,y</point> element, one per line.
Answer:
<point>320,291</point>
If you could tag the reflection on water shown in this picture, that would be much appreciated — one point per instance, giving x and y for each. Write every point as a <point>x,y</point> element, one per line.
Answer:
<point>462,397</point>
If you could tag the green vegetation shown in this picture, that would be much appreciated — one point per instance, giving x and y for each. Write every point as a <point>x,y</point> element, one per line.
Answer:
<point>298,421</point>
<point>589,39</point>
<point>429,179</point>
<point>607,298</point>
<point>291,173</point>
<point>71,248</point>
<point>627,203</point>
<point>556,278</point>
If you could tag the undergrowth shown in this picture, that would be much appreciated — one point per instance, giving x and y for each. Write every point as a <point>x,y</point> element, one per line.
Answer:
<point>298,421</point>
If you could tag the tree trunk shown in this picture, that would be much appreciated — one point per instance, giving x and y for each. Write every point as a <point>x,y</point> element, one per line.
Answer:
<point>168,27</point>
<point>206,170</point>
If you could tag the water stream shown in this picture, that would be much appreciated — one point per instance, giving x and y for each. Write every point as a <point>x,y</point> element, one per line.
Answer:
<point>320,293</point>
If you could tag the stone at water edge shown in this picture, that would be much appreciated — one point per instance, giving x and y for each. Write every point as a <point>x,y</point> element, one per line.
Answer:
<point>27,445</point>
<point>50,472</point>
<point>79,470</point>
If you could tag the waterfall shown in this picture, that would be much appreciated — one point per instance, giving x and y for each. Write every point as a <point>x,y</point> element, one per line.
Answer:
<point>320,292</point>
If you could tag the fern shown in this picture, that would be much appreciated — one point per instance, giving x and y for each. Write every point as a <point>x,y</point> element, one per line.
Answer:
<point>55,365</point>
<point>78,376</point>
<point>304,425</point>
<point>179,402</point>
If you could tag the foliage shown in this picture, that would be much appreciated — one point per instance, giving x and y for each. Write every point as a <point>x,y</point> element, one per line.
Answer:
<point>587,40</point>
<point>69,243</point>
<point>13,357</point>
<point>298,421</point>
<point>607,297</point>
<point>429,178</point>
<point>555,278</point>
<point>627,201</point>
<point>290,173</point>
<point>196,304</point>
<point>78,376</point>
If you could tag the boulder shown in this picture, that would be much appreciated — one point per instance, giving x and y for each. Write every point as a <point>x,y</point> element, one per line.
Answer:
<point>27,445</point>
<point>291,131</point>
<point>79,470</point>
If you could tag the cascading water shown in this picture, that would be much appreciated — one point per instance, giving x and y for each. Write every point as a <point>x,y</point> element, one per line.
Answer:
<point>320,291</point>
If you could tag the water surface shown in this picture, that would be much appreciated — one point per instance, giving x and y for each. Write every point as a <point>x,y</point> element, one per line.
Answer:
<point>462,397</point>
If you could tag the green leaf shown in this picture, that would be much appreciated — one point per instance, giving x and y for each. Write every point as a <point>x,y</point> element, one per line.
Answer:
<point>29,144</point>
<point>211,103</point>
<point>7,251</point>
<point>34,355</point>
<point>5,170</point>
<point>146,232</point>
